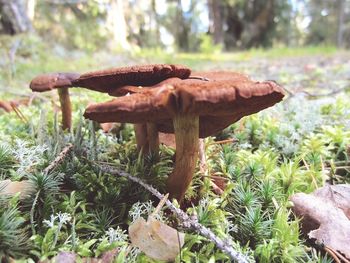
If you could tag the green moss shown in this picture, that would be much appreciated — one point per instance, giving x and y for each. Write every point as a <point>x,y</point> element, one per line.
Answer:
<point>289,148</point>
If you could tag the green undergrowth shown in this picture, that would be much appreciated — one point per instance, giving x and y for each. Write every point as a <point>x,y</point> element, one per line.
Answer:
<point>296,146</point>
<point>77,208</point>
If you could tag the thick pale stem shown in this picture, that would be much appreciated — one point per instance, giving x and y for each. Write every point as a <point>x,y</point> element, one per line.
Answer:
<point>141,137</point>
<point>153,138</point>
<point>186,129</point>
<point>66,108</point>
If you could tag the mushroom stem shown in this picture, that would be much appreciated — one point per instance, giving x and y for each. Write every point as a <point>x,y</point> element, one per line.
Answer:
<point>66,108</point>
<point>141,137</point>
<point>147,138</point>
<point>153,138</point>
<point>186,128</point>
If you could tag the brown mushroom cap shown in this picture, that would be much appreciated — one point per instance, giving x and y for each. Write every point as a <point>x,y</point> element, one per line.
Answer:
<point>145,75</point>
<point>46,82</point>
<point>220,101</point>
<point>205,76</point>
<point>127,90</point>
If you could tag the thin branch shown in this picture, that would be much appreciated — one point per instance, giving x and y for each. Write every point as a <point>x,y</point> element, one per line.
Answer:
<point>187,222</point>
<point>315,96</point>
<point>331,253</point>
<point>160,205</point>
<point>19,113</point>
<point>58,159</point>
<point>336,255</point>
<point>232,140</point>
<point>32,210</point>
<point>47,170</point>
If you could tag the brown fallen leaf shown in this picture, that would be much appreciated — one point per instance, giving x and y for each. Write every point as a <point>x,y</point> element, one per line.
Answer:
<point>7,187</point>
<point>72,257</point>
<point>156,239</point>
<point>323,217</point>
<point>65,257</point>
<point>220,182</point>
<point>167,139</point>
<point>107,126</point>
<point>112,127</point>
<point>339,195</point>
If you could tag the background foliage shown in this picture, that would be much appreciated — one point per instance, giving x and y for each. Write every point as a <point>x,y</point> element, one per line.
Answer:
<point>179,24</point>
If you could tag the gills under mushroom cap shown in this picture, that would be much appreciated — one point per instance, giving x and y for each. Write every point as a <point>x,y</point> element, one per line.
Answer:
<point>219,99</point>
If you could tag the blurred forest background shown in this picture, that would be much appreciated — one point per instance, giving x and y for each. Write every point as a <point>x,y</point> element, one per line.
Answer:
<point>178,25</point>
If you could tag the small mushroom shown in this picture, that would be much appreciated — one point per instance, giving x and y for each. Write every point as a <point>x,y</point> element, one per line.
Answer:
<point>129,80</point>
<point>192,109</point>
<point>110,81</point>
<point>61,82</point>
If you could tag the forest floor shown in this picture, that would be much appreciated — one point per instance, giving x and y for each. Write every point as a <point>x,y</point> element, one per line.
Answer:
<point>296,146</point>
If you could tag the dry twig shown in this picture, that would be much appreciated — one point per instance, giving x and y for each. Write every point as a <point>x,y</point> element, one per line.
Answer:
<point>66,150</point>
<point>187,222</point>
<point>336,255</point>
<point>332,254</point>
<point>19,113</point>
<point>315,96</point>
<point>232,140</point>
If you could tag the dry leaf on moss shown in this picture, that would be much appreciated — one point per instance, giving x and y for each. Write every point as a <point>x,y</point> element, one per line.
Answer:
<point>72,257</point>
<point>7,187</point>
<point>339,195</point>
<point>167,139</point>
<point>156,239</point>
<point>325,216</point>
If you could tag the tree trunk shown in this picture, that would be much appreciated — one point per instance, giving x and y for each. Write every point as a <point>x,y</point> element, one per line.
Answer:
<point>14,19</point>
<point>154,21</point>
<point>234,26</point>
<point>117,25</point>
<point>31,9</point>
<point>255,31</point>
<point>216,21</point>
<point>181,29</point>
<point>341,16</point>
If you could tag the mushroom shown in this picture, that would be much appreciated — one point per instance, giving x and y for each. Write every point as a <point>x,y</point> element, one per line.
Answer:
<point>128,80</point>
<point>192,109</point>
<point>110,81</point>
<point>6,106</point>
<point>61,82</point>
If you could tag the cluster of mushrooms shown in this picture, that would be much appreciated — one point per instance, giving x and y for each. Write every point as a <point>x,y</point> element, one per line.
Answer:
<point>169,99</point>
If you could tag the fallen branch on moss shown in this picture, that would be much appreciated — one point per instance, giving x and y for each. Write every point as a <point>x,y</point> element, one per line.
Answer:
<point>187,222</point>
